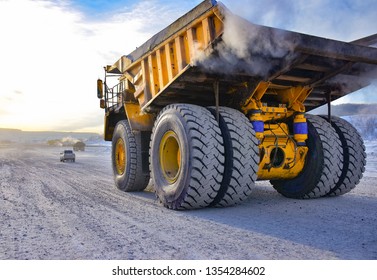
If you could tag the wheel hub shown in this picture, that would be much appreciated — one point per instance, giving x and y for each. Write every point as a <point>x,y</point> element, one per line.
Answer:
<point>170,156</point>
<point>120,156</point>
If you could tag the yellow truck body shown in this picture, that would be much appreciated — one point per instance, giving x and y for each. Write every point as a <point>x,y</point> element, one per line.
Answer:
<point>214,59</point>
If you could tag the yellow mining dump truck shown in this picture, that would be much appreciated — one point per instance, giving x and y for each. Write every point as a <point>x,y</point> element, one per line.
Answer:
<point>213,103</point>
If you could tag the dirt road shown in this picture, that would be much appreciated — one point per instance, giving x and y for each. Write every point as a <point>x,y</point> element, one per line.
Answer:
<point>54,210</point>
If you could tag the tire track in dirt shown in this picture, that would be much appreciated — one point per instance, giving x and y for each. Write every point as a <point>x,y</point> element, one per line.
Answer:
<point>53,210</point>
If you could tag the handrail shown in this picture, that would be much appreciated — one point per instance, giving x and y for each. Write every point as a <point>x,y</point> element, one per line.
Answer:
<point>113,97</point>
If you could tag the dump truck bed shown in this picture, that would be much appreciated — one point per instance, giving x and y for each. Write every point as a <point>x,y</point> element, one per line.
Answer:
<point>211,45</point>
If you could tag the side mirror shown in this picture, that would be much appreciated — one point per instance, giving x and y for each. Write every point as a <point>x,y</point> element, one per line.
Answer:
<point>102,104</point>
<point>99,88</point>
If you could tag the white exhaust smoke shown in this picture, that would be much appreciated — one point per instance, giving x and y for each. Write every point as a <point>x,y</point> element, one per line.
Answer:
<point>246,48</point>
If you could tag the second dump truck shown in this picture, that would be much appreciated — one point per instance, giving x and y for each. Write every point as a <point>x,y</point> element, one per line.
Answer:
<point>212,103</point>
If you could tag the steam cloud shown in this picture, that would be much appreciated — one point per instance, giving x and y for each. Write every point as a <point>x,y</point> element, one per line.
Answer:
<point>246,48</point>
<point>255,50</point>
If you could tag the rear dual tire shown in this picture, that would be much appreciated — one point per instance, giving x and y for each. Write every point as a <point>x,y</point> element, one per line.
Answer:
<point>335,162</point>
<point>354,156</point>
<point>198,162</point>
<point>241,157</point>
<point>323,165</point>
<point>186,157</point>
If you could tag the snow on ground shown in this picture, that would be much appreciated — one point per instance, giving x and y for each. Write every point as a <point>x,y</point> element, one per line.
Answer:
<point>55,210</point>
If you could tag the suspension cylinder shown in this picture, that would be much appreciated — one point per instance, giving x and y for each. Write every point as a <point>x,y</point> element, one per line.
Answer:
<point>257,123</point>
<point>300,129</point>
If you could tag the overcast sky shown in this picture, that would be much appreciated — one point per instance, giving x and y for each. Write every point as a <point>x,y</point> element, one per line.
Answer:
<point>52,52</point>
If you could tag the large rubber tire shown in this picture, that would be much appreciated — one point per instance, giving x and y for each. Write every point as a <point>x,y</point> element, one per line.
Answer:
<point>323,164</point>
<point>354,156</point>
<point>241,157</point>
<point>193,180</point>
<point>126,158</point>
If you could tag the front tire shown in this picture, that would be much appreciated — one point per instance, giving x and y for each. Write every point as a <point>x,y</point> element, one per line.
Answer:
<point>127,159</point>
<point>186,157</point>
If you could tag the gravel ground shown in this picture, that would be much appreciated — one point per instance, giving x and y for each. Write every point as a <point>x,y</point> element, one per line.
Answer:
<point>55,210</point>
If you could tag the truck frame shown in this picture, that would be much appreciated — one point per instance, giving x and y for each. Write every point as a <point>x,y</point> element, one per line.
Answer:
<point>212,103</point>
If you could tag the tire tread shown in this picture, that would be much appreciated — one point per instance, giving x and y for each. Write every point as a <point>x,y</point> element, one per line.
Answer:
<point>354,156</point>
<point>243,157</point>
<point>207,156</point>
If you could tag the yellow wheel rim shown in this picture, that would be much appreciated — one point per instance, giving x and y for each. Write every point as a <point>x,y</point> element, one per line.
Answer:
<point>170,156</point>
<point>120,156</point>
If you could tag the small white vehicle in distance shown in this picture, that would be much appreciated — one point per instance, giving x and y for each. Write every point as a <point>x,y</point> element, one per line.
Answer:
<point>67,155</point>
